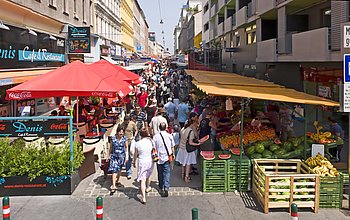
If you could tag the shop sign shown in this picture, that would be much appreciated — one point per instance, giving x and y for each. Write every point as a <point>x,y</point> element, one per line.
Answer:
<point>74,57</point>
<point>346,36</point>
<point>20,50</point>
<point>346,68</point>
<point>325,92</point>
<point>20,95</point>
<point>346,98</point>
<point>40,55</point>
<point>79,39</point>
<point>34,128</point>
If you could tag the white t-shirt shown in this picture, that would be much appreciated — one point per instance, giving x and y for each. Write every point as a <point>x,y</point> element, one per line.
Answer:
<point>155,122</point>
<point>144,149</point>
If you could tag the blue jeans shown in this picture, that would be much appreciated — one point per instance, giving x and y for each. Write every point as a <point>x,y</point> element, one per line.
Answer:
<point>164,176</point>
<point>128,165</point>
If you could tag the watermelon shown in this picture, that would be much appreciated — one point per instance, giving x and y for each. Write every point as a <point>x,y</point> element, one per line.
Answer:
<point>204,139</point>
<point>274,147</point>
<point>259,148</point>
<point>288,146</point>
<point>250,150</point>
<point>266,153</point>
<point>207,153</point>
<point>224,156</point>
<point>235,151</point>
<point>209,157</point>
<point>256,156</point>
<point>280,152</point>
<point>277,141</point>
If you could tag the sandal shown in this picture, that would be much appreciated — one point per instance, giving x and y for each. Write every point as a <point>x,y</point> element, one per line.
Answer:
<point>113,189</point>
<point>148,190</point>
<point>187,179</point>
<point>119,184</point>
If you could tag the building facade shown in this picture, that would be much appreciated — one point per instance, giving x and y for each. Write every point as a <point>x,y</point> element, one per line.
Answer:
<point>33,38</point>
<point>107,26</point>
<point>140,26</point>
<point>127,16</point>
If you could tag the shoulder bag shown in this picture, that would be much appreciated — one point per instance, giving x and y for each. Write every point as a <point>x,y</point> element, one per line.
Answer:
<point>190,148</point>
<point>170,156</point>
<point>154,152</point>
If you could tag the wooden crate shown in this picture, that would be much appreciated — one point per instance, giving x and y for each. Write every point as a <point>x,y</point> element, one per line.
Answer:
<point>278,183</point>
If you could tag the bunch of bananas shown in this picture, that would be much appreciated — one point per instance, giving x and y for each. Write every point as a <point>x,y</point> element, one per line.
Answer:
<point>320,135</point>
<point>320,165</point>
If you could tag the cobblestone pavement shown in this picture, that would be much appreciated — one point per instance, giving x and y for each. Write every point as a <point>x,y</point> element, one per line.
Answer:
<point>99,185</point>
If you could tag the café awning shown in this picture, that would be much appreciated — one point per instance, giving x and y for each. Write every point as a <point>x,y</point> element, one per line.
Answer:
<point>229,84</point>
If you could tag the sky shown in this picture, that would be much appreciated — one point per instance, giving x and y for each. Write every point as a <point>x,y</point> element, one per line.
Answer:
<point>170,12</point>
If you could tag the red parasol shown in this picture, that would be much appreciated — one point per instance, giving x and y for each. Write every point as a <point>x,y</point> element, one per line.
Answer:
<point>74,79</point>
<point>118,72</point>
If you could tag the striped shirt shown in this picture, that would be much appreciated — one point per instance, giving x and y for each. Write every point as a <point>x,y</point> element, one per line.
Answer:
<point>141,117</point>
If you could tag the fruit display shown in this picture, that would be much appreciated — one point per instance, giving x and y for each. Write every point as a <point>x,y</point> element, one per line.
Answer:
<point>321,137</point>
<point>321,165</point>
<point>208,155</point>
<point>293,148</point>
<point>232,139</point>
<point>224,156</point>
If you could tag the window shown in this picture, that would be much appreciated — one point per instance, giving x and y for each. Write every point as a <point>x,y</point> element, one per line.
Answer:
<point>52,4</point>
<point>206,27</point>
<point>83,9</point>
<point>326,17</point>
<point>250,35</point>
<point>237,40</point>
<point>75,8</point>
<point>65,7</point>
<point>206,8</point>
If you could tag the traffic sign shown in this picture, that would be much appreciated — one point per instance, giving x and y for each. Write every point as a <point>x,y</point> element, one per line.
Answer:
<point>346,68</point>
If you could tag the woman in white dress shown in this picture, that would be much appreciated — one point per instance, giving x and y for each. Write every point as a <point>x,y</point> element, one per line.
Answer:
<point>190,133</point>
<point>143,153</point>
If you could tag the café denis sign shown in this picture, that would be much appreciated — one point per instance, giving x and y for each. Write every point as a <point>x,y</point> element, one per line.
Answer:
<point>34,128</point>
<point>20,49</point>
<point>79,39</point>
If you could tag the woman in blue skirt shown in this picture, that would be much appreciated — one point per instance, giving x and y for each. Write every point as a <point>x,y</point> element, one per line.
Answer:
<point>118,156</point>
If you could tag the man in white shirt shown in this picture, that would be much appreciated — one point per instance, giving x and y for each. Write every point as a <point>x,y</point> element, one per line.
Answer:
<point>157,120</point>
<point>164,143</point>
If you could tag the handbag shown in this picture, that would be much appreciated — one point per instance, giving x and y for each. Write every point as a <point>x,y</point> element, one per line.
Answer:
<point>190,148</point>
<point>170,156</point>
<point>154,152</point>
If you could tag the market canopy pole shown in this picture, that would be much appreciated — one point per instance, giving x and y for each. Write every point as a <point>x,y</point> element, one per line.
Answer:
<point>241,143</point>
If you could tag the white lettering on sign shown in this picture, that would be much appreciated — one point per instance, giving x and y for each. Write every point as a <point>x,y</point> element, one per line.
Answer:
<point>346,97</point>
<point>346,35</point>
<point>20,95</point>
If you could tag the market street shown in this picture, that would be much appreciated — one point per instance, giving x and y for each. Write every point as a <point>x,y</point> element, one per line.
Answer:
<point>211,207</point>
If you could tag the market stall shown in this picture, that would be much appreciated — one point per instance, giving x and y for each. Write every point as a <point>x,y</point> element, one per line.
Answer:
<point>259,141</point>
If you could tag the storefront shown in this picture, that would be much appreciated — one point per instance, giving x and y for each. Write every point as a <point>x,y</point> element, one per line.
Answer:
<point>25,54</point>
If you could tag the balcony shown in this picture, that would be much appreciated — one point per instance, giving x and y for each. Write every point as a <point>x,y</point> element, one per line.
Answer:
<point>251,10</point>
<point>265,6</point>
<point>229,24</point>
<point>242,16</point>
<point>311,45</point>
<point>234,21</point>
<point>211,35</point>
<point>267,51</point>
<point>213,10</point>
<point>221,30</point>
<point>221,4</point>
<point>278,2</point>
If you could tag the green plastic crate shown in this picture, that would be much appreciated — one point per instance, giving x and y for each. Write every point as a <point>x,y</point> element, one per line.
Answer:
<point>214,175</point>
<point>233,168</point>
<point>331,192</point>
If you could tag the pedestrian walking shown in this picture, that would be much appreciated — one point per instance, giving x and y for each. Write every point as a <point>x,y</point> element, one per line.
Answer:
<point>145,166</point>
<point>183,112</point>
<point>131,132</point>
<point>164,144</point>
<point>189,134</point>
<point>118,157</point>
<point>157,120</point>
<point>170,108</point>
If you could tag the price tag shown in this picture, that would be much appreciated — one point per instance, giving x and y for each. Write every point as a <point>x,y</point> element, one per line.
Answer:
<point>317,149</point>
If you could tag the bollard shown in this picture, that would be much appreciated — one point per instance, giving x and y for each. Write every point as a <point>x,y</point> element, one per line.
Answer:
<point>6,208</point>
<point>294,212</point>
<point>194,214</point>
<point>99,208</point>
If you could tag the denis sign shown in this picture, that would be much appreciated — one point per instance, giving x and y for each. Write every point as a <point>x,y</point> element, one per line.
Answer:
<point>79,39</point>
<point>34,128</point>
